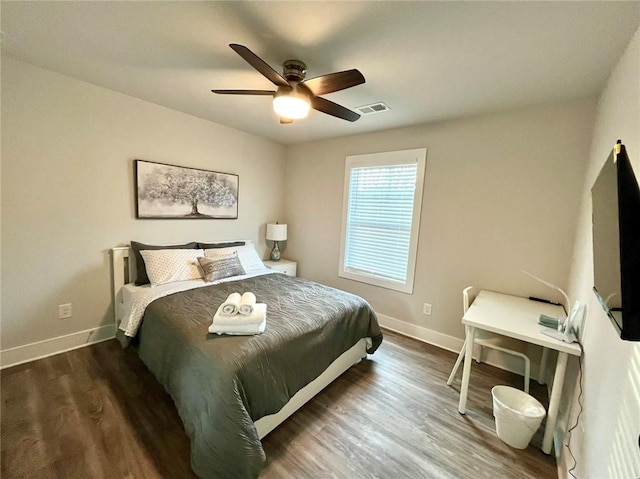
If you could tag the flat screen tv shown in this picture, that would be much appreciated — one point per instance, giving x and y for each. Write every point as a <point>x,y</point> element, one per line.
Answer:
<point>616,243</point>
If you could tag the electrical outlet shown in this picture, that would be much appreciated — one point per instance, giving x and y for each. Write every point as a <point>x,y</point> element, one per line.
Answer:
<point>426,308</point>
<point>64,311</point>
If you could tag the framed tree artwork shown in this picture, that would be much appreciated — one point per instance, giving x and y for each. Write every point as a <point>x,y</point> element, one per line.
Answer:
<point>176,192</point>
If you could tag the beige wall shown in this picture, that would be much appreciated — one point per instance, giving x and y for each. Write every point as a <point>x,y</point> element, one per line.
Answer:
<point>68,197</point>
<point>610,424</point>
<point>501,194</point>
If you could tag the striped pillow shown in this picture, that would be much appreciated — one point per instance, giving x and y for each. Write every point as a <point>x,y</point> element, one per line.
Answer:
<point>221,267</point>
<point>247,255</point>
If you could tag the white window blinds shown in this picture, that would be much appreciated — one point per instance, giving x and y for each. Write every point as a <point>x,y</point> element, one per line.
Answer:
<point>379,220</point>
<point>382,209</point>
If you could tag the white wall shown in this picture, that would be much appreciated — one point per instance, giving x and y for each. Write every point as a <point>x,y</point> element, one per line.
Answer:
<point>68,196</point>
<point>501,194</point>
<point>610,422</point>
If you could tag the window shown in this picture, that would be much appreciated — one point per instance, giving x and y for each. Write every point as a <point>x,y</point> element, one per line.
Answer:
<point>381,218</point>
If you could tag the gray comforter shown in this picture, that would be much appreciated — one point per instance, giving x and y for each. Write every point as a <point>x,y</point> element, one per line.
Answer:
<point>222,384</point>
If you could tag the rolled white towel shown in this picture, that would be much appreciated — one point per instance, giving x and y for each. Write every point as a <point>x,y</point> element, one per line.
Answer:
<point>232,304</point>
<point>259,313</point>
<point>254,323</point>
<point>247,303</point>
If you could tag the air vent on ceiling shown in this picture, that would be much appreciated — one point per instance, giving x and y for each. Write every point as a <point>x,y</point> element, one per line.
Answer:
<point>373,108</point>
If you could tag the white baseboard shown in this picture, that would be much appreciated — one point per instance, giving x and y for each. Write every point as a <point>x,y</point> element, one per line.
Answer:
<point>450,343</point>
<point>50,347</point>
<point>420,333</point>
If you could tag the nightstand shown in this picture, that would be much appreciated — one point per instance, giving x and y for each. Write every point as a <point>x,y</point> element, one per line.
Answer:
<point>283,266</point>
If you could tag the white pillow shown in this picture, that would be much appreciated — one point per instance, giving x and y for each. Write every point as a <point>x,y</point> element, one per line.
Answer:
<point>169,265</point>
<point>247,254</point>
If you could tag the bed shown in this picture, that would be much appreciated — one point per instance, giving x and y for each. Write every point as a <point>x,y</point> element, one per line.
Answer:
<point>231,391</point>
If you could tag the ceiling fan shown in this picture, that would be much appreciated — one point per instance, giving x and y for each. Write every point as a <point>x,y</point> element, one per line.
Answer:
<point>295,96</point>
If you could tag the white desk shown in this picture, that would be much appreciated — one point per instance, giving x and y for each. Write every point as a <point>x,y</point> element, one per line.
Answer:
<point>517,318</point>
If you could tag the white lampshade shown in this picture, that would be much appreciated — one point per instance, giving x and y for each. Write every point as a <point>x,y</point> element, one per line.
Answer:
<point>293,106</point>
<point>276,232</point>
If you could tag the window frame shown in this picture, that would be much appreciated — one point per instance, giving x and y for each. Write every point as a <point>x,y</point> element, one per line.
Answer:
<point>390,158</point>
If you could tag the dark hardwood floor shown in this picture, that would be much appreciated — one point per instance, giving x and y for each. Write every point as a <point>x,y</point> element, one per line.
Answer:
<point>97,412</point>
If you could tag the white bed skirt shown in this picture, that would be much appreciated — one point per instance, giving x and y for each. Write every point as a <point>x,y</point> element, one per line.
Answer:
<point>350,357</point>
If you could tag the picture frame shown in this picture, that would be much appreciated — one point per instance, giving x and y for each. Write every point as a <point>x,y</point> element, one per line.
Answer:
<point>165,191</point>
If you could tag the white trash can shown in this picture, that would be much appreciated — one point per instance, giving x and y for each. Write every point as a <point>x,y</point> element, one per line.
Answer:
<point>518,415</point>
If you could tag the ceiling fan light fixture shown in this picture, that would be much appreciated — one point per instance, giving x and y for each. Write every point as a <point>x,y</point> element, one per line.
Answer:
<point>295,95</point>
<point>292,105</point>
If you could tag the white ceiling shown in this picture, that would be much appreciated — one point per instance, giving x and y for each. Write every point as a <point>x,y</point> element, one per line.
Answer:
<point>427,61</point>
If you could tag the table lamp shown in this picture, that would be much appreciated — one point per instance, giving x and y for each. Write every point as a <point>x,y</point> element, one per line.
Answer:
<point>276,232</point>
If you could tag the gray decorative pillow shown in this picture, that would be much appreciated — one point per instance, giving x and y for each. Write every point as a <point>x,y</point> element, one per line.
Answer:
<point>221,267</point>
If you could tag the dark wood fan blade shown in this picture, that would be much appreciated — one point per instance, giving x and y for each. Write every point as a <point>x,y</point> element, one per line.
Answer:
<point>334,82</point>
<point>259,64</point>
<point>333,109</point>
<point>244,92</point>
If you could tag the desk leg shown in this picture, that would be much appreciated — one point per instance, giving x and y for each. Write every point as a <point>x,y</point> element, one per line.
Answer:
<point>554,402</point>
<point>543,365</point>
<point>466,371</point>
